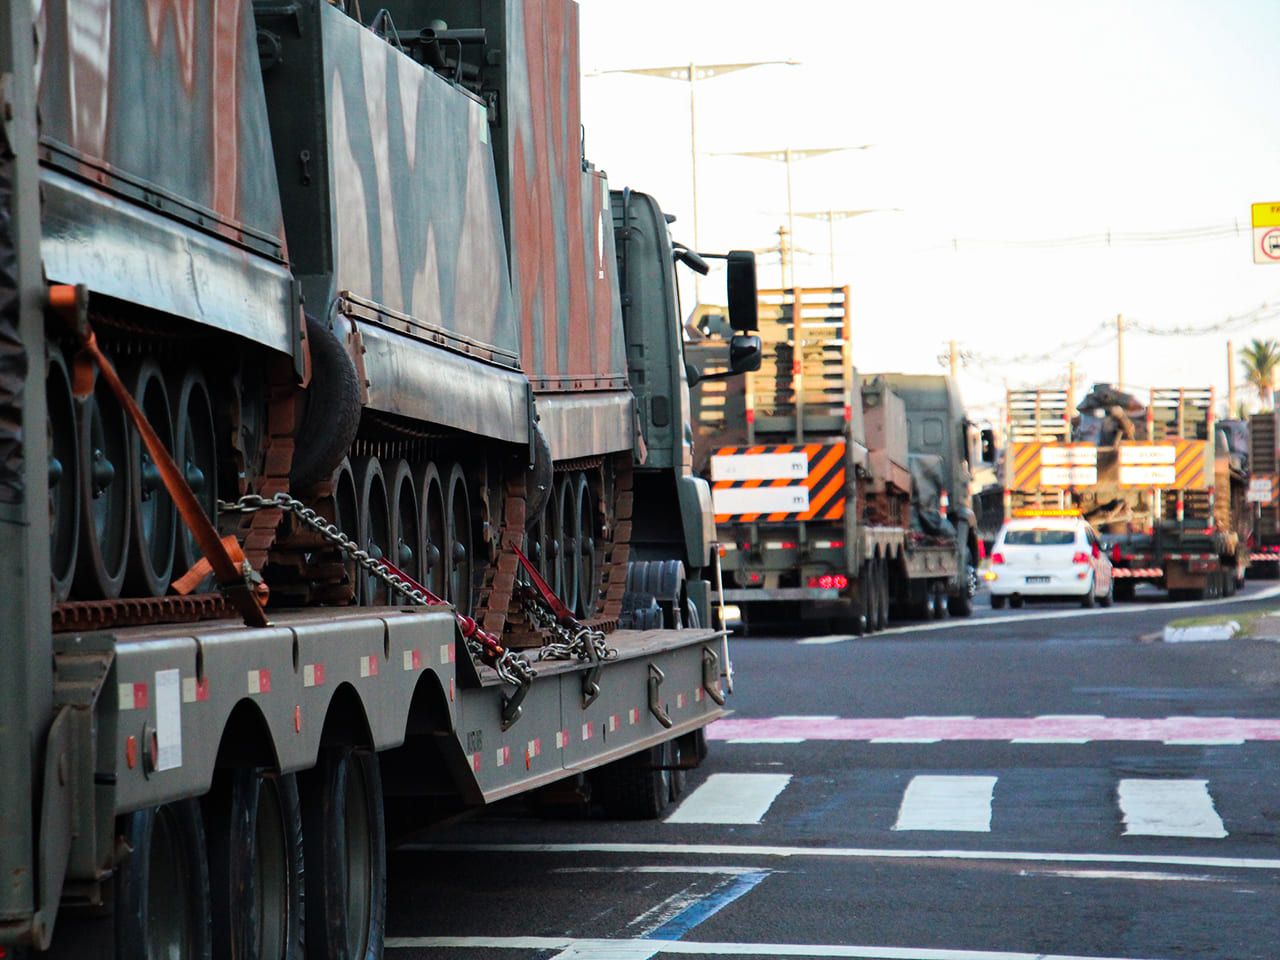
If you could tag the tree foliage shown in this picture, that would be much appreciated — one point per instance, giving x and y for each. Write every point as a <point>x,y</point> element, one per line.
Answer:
<point>1261,362</point>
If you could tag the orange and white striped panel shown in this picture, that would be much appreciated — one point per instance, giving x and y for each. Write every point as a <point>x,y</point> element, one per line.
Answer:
<point>1178,464</point>
<point>780,482</point>
<point>1038,465</point>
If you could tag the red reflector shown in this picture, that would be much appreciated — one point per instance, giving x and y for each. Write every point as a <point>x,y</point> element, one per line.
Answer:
<point>837,543</point>
<point>1080,557</point>
<point>848,413</point>
<point>997,558</point>
<point>982,550</point>
<point>1115,553</point>
<point>751,415</point>
<point>788,545</point>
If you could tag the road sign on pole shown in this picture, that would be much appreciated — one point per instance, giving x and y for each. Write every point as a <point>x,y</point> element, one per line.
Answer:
<point>1266,233</point>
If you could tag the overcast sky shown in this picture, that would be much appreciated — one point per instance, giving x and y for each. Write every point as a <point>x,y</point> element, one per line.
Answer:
<point>1056,165</point>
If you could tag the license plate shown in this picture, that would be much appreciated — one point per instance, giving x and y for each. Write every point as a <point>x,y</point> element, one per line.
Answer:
<point>1037,579</point>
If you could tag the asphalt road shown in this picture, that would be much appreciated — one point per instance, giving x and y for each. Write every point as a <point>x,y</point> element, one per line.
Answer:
<point>1041,783</point>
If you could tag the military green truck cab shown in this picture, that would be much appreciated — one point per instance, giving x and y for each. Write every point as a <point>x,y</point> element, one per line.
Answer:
<point>660,379</point>
<point>938,427</point>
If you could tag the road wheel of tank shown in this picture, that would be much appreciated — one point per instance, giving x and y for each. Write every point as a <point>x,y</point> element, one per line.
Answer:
<point>374,525</point>
<point>346,517</point>
<point>461,544</point>
<point>64,476</point>
<point>406,525</point>
<point>162,906</point>
<point>665,580</point>
<point>566,517</point>
<point>106,517</point>
<point>254,823</point>
<point>997,603</point>
<point>344,840</point>
<point>154,516</point>
<point>1016,602</point>
<point>434,531</point>
<point>195,451</point>
<point>637,787</point>
<point>1123,590</point>
<point>588,530</point>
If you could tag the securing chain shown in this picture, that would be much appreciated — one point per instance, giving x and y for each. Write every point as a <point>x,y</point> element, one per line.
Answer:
<point>572,639</point>
<point>483,647</point>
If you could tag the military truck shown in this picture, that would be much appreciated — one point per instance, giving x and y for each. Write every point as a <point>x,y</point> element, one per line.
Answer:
<point>1158,482</point>
<point>837,496</point>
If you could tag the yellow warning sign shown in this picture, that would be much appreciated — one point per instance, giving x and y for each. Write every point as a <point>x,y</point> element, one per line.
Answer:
<point>1266,215</point>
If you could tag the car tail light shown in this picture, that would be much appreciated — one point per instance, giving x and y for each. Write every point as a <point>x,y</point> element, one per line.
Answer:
<point>829,581</point>
<point>1080,557</point>
<point>997,558</point>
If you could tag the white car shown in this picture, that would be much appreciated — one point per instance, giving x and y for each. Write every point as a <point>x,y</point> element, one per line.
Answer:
<point>1048,557</point>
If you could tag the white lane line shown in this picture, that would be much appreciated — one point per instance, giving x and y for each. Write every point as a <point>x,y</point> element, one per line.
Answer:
<point>1169,808</point>
<point>851,853</point>
<point>637,949</point>
<point>947,803</point>
<point>731,798</point>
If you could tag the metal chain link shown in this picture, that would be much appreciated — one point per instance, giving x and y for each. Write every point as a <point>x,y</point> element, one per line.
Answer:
<point>511,667</point>
<point>571,640</point>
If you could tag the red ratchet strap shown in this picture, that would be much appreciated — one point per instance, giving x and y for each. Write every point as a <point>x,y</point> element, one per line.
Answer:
<point>492,648</point>
<point>225,557</point>
<point>563,613</point>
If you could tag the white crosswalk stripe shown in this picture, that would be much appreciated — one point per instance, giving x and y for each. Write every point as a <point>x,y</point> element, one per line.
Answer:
<point>1169,808</point>
<point>947,803</point>
<point>731,798</point>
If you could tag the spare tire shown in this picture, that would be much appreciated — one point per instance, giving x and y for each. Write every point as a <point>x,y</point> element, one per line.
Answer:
<point>331,409</point>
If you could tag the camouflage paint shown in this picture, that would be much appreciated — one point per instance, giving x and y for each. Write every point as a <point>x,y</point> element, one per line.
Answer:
<point>415,215</point>
<point>157,159</point>
<point>563,268</point>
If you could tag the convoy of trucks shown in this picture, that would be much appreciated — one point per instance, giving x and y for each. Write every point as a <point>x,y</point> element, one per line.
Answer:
<point>344,476</point>
<point>1162,484</point>
<point>838,496</point>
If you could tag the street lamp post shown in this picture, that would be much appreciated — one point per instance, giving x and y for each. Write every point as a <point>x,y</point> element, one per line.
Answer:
<point>786,156</point>
<point>831,216</point>
<point>691,74</point>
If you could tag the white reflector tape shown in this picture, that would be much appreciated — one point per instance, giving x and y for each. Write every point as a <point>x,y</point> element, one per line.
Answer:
<point>760,500</point>
<point>760,466</point>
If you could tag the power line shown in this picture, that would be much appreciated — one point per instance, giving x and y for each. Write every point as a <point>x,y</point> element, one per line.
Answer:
<point>1105,238</point>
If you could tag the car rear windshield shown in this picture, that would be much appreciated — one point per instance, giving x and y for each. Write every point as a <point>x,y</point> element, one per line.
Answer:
<point>1039,538</point>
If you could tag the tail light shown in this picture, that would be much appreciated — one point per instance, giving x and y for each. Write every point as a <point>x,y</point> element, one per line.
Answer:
<point>1080,557</point>
<point>1115,553</point>
<point>982,550</point>
<point>829,581</point>
<point>997,558</point>
<point>1097,552</point>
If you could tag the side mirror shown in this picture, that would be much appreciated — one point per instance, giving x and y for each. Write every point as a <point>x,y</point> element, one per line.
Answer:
<point>988,446</point>
<point>742,293</point>
<point>745,353</point>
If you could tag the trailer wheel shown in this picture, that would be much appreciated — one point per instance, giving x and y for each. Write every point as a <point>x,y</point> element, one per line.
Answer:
<point>637,787</point>
<point>162,896</point>
<point>255,865</point>
<point>344,840</point>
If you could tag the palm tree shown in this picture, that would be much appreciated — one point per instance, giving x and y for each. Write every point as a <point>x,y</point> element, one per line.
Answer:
<point>1261,360</point>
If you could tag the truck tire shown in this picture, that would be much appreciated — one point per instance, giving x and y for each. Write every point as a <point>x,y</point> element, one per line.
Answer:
<point>162,895</point>
<point>960,604</point>
<point>344,840</point>
<point>255,865</point>
<point>637,787</point>
<point>331,409</point>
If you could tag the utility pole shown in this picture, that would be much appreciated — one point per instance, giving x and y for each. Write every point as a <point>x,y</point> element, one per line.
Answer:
<point>1231,380</point>
<point>691,74</point>
<point>1071,389</point>
<point>954,358</point>
<point>784,249</point>
<point>1120,352</point>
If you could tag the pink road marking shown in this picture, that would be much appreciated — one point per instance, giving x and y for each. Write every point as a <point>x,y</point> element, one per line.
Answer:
<point>1000,728</point>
